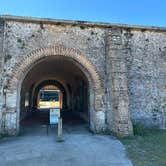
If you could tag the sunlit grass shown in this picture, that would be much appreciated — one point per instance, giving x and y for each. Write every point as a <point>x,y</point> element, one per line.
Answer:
<point>147,147</point>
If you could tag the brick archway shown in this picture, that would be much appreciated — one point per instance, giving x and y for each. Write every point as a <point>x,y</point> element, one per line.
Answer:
<point>25,62</point>
<point>24,65</point>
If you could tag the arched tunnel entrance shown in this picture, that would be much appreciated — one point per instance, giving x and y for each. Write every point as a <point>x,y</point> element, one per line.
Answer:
<point>55,82</point>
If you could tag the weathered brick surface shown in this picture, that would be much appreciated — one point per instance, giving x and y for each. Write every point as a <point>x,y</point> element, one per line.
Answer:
<point>126,68</point>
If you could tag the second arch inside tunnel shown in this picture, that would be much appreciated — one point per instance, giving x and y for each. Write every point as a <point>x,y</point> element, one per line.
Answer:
<point>63,77</point>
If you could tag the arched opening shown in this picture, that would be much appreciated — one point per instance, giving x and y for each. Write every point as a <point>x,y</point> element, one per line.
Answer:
<point>55,82</point>
<point>85,71</point>
<point>49,85</point>
<point>49,96</point>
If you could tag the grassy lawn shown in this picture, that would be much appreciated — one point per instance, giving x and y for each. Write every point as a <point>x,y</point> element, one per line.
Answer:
<point>147,147</point>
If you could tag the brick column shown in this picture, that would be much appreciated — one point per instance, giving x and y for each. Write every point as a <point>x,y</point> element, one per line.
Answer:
<point>117,84</point>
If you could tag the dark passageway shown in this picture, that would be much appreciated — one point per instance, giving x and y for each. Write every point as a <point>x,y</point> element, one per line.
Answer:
<point>54,74</point>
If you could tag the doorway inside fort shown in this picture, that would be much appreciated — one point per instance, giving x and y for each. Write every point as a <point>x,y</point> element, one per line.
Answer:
<point>54,82</point>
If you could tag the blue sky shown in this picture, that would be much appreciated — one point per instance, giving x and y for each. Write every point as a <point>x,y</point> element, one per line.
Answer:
<point>139,12</point>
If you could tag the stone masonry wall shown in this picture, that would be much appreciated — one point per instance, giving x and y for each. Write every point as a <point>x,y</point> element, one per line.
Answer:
<point>1,66</point>
<point>130,61</point>
<point>117,85</point>
<point>23,38</point>
<point>144,52</point>
<point>1,44</point>
<point>146,60</point>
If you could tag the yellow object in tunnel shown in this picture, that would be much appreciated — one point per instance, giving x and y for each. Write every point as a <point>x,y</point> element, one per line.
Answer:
<point>49,104</point>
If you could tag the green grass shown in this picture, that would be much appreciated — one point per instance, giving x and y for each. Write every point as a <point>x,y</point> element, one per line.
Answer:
<point>147,147</point>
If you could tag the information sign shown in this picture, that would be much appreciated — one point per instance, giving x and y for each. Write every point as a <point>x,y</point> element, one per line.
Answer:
<point>54,115</point>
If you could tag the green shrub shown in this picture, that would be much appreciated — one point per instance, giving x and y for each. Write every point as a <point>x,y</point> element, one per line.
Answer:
<point>138,129</point>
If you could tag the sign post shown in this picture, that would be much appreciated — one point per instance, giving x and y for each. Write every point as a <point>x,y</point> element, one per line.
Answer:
<point>60,139</point>
<point>56,119</point>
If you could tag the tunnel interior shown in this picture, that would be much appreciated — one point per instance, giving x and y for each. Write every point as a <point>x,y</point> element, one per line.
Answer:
<point>57,82</point>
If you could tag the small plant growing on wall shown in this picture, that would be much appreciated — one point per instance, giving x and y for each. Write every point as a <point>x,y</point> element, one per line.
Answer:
<point>7,57</point>
<point>22,44</point>
<point>82,27</point>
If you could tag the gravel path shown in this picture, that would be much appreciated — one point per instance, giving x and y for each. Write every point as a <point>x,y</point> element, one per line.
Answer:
<point>80,148</point>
